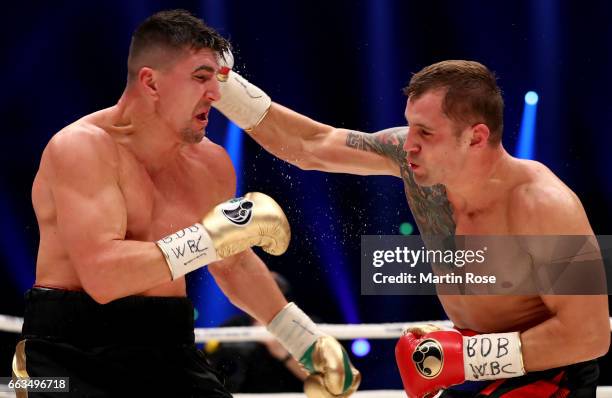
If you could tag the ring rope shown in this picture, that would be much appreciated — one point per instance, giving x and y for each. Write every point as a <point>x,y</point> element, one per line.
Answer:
<point>259,333</point>
<point>13,324</point>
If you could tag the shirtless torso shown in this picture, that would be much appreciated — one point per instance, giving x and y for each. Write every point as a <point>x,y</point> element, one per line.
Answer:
<point>495,195</point>
<point>155,202</point>
<point>434,215</point>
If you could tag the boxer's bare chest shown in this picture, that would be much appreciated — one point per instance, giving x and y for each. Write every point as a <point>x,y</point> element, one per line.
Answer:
<point>434,215</point>
<point>161,203</point>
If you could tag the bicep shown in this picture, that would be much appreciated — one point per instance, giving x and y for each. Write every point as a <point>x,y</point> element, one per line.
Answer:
<point>570,270</point>
<point>89,204</point>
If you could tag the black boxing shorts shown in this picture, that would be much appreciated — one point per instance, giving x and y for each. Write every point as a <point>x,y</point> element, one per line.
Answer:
<point>134,346</point>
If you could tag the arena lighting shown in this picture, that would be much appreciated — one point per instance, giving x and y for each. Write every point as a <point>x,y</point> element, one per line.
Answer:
<point>217,307</point>
<point>525,148</point>
<point>214,307</point>
<point>531,98</point>
<point>406,228</point>
<point>319,214</point>
<point>334,262</point>
<point>233,145</point>
<point>360,347</point>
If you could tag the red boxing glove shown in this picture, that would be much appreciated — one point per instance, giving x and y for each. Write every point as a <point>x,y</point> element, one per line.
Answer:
<point>430,359</point>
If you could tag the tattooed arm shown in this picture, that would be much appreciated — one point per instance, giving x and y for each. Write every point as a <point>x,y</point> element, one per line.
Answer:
<point>311,145</point>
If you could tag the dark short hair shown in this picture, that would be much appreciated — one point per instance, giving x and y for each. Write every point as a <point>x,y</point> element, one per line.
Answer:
<point>170,32</point>
<point>472,94</point>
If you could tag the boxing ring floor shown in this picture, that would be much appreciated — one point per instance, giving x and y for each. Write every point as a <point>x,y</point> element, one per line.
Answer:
<point>259,333</point>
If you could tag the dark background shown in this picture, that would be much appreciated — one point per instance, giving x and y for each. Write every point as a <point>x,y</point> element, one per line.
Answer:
<point>340,62</point>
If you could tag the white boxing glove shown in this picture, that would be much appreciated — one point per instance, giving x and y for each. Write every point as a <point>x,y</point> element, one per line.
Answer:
<point>241,102</point>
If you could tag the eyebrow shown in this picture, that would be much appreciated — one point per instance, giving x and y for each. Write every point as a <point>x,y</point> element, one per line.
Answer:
<point>204,67</point>
<point>421,125</point>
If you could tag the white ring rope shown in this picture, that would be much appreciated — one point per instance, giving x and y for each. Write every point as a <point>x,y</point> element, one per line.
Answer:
<point>10,323</point>
<point>259,333</point>
<point>341,332</point>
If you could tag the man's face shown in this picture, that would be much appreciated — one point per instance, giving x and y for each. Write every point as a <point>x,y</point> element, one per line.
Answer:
<point>186,91</point>
<point>435,152</point>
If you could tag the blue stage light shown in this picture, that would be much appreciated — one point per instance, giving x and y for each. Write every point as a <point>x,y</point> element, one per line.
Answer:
<point>360,347</point>
<point>215,306</point>
<point>525,148</point>
<point>531,98</point>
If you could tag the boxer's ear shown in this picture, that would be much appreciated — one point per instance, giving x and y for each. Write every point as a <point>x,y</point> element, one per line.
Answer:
<point>480,135</point>
<point>147,81</point>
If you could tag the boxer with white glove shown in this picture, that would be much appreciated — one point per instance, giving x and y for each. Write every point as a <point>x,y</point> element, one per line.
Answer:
<point>231,227</point>
<point>430,359</point>
<point>426,159</point>
<point>331,372</point>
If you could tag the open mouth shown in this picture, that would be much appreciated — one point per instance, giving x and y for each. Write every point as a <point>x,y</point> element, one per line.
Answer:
<point>413,166</point>
<point>202,117</point>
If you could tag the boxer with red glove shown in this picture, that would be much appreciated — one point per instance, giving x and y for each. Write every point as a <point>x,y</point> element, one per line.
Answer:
<point>430,359</point>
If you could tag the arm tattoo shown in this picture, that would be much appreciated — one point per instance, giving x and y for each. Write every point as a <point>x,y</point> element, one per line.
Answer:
<point>429,205</point>
<point>388,143</point>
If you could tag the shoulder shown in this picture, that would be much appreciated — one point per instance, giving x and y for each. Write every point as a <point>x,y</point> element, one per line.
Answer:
<point>80,146</point>
<point>395,136</point>
<point>211,154</point>
<point>391,141</point>
<point>215,160</point>
<point>388,143</point>
<point>383,142</point>
<point>543,204</point>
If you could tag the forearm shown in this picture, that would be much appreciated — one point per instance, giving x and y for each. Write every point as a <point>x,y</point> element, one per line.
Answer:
<point>123,267</point>
<point>279,130</point>
<point>289,135</point>
<point>301,141</point>
<point>248,284</point>
<point>558,342</point>
<point>110,267</point>
<point>311,145</point>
